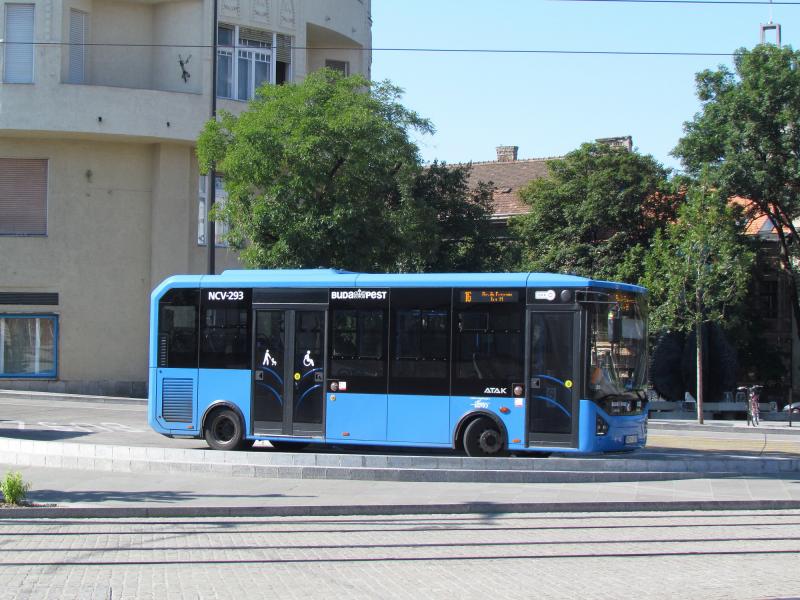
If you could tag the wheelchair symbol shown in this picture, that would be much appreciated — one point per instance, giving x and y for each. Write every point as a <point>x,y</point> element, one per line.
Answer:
<point>307,360</point>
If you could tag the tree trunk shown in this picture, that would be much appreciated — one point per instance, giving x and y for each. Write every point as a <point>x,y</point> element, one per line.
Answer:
<point>700,395</point>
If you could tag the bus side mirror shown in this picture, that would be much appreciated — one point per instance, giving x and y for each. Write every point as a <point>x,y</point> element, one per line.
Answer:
<point>614,327</point>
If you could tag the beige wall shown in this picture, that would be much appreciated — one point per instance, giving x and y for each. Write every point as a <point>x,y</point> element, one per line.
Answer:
<point>121,218</point>
<point>96,254</point>
<point>121,23</point>
<point>177,23</point>
<point>122,176</point>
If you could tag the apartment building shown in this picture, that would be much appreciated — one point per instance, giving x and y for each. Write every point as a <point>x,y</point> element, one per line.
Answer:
<point>101,102</point>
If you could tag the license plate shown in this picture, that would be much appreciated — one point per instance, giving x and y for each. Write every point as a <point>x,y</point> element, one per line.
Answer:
<point>631,439</point>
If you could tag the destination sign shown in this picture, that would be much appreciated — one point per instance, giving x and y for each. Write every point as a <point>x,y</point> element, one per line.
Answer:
<point>489,296</point>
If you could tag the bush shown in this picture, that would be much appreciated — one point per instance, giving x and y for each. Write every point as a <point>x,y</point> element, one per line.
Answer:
<point>14,488</point>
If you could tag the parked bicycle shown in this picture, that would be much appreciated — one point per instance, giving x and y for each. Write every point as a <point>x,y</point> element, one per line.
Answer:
<point>751,396</point>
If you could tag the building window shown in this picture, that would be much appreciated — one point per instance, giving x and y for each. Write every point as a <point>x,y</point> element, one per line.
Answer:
<point>78,37</point>
<point>28,345</point>
<point>768,292</point>
<point>23,196</point>
<point>339,65</point>
<point>19,44</point>
<point>220,227</point>
<point>248,58</point>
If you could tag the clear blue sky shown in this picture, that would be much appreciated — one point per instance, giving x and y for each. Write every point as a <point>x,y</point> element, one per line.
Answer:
<point>549,104</point>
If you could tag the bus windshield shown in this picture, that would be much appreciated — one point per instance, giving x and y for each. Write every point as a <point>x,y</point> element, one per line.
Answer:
<point>617,347</point>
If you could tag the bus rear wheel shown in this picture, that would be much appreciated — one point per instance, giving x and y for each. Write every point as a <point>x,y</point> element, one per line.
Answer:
<point>483,437</point>
<point>223,430</point>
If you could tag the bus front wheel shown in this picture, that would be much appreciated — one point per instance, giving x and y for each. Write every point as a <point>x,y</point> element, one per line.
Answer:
<point>483,437</point>
<point>223,430</point>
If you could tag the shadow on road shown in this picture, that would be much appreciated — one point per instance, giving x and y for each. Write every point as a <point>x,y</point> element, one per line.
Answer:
<point>163,496</point>
<point>40,435</point>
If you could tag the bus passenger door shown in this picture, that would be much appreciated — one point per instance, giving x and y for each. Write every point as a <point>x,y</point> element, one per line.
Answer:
<point>552,366</point>
<point>288,372</point>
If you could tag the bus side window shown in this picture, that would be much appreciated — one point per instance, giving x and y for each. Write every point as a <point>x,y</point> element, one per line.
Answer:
<point>358,343</point>
<point>225,338</point>
<point>178,313</point>
<point>489,348</point>
<point>420,360</point>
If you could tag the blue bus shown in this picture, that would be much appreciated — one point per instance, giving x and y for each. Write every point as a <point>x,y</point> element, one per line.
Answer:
<point>485,363</point>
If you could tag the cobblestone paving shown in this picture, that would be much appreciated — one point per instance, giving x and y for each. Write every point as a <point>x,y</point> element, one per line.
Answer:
<point>637,555</point>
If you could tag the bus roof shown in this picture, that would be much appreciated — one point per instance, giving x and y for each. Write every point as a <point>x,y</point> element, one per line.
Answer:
<point>339,278</point>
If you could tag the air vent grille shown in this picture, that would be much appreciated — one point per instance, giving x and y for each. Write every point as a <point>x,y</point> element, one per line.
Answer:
<point>177,400</point>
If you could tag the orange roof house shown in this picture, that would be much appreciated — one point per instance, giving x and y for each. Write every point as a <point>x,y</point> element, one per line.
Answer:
<point>509,174</point>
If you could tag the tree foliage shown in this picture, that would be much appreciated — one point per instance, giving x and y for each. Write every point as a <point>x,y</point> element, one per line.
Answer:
<point>323,173</point>
<point>595,213</point>
<point>318,173</point>
<point>697,272</point>
<point>699,269</point>
<point>747,139</point>
<point>454,230</point>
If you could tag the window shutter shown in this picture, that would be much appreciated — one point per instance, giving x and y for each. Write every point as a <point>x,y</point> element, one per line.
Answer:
<point>255,35</point>
<point>78,36</point>
<point>23,196</point>
<point>19,44</point>
<point>284,51</point>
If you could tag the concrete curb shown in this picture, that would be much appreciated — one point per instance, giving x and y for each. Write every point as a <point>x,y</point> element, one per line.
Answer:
<point>27,395</point>
<point>281,465</point>
<point>90,512</point>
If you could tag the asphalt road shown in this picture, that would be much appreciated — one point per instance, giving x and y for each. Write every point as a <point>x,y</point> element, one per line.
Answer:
<point>708,555</point>
<point>126,424</point>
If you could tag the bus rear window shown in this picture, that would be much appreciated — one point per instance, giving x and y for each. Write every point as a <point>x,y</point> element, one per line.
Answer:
<point>178,313</point>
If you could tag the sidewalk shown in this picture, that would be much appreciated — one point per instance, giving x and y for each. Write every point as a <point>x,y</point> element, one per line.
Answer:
<point>691,424</point>
<point>109,494</point>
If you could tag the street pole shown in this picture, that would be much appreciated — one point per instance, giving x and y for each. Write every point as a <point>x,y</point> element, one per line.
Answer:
<point>211,196</point>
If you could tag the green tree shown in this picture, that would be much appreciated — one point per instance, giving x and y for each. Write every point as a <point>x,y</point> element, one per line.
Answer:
<point>454,231</point>
<point>319,173</point>
<point>698,271</point>
<point>747,139</point>
<point>594,214</point>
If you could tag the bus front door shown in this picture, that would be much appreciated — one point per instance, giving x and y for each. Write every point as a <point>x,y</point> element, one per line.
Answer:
<point>553,361</point>
<point>288,377</point>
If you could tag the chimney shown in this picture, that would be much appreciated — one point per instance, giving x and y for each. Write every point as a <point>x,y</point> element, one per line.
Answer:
<point>507,153</point>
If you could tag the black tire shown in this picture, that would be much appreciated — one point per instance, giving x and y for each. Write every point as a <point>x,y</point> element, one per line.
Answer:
<point>223,430</point>
<point>483,437</point>
<point>288,446</point>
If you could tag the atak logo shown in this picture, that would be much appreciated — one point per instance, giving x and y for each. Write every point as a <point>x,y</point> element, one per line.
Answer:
<point>494,390</point>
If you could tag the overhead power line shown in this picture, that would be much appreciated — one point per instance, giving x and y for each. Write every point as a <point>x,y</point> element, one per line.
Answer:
<point>417,50</point>
<point>721,2</point>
